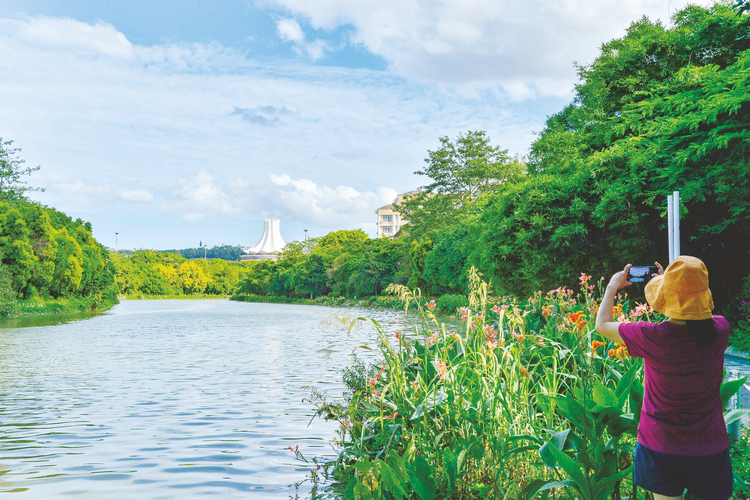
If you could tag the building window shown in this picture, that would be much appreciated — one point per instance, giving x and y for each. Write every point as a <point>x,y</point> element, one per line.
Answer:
<point>387,218</point>
<point>387,229</point>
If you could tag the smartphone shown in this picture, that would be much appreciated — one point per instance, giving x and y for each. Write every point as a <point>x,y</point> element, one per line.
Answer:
<point>642,274</point>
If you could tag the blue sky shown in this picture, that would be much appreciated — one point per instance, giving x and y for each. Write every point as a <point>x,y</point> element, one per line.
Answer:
<point>178,122</point>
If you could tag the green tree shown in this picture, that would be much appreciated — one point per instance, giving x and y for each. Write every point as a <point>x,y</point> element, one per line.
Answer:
<point>659,110</point>
<point>460,171</point>
<point>418,252</point>
<point>11,172</point>
<point>8,303</point>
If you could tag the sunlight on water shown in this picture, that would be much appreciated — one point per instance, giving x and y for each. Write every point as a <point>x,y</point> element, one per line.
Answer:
<point>172,399</point>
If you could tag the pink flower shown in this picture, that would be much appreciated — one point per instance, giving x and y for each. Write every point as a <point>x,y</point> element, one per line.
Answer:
<point>432,339</point>
<point>376,393</point>
<point>397,335</point>
<point>584,279</point>
<point>431,305</point>
<point>489,332</point>
<point>492,345</point>
<point>441,368</point>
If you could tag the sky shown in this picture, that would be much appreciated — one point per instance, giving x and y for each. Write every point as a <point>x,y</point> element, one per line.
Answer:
<point>175,123</point>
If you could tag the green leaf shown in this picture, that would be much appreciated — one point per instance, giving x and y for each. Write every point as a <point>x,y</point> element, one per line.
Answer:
<point>603,484</point>
<point>621,424</point>
<point>420,478</point>
<point>603,396</point>
<point>450,462</point>
<point>430,403</point>
<point>735,415</point>
<point>624,385</point>
<point>515,451</point>
<point>391,482</point>
<point>537,485</point>
<point>636,400</point>
<point>730,388</point>
<point>571,467</point>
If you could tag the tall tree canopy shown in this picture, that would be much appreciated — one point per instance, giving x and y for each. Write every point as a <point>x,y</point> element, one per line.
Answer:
<point>12,169</point>
<point>460,171</point>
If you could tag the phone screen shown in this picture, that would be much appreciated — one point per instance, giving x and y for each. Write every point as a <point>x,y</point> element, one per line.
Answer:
<point>641,274</point>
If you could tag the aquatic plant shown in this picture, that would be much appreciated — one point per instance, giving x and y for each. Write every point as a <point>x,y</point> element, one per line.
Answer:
<point>524,398</point>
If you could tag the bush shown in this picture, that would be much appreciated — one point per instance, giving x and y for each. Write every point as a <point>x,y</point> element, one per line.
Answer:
<point>8,302</point>
<point>449,303</point>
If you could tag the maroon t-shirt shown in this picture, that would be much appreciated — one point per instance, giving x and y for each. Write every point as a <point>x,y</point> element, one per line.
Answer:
<point>682,413</point>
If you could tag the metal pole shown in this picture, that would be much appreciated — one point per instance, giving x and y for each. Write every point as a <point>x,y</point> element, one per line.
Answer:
<point>670,227</point>
<point>116,243</point>
<point>676,223</point>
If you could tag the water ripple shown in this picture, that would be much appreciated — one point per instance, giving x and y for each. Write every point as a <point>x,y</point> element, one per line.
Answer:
<point>164,400</point>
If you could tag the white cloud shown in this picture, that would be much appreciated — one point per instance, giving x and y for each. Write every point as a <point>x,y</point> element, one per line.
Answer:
<point>281,196</point>
<point>195,197</point>
<point>68,33</point>
<point>138,196</point>
<point>116,134</point>
<point>290,31</point>
<point>527,47</point>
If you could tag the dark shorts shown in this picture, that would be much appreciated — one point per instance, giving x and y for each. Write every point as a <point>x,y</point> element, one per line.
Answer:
<point>708,478</point>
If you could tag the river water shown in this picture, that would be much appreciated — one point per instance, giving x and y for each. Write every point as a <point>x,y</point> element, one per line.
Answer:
<point>172,399</point>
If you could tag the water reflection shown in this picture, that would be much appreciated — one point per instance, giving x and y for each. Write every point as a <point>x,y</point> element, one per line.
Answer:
<point>171,399</point>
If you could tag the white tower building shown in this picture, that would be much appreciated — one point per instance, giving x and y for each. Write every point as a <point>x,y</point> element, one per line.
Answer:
<point>270,244</point>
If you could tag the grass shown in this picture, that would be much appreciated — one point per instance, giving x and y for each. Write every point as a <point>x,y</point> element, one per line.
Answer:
<point>523,401</point>
<point>196,296</point>
<point>43,306</point>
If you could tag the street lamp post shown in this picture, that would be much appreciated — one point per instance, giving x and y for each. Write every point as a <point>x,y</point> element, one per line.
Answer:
<point>305,234</point>
<point>116,243</point>
<point>204,252</point>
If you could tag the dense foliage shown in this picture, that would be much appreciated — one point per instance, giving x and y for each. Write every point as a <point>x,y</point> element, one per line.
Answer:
<point>46,254</point>
<point>524,398</point>
<point>225,252</point>
<point>343,262</point>
<point>160,273</point>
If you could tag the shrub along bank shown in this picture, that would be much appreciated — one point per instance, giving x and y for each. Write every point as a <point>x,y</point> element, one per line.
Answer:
<point>47,257</point>
<point>523,399</point>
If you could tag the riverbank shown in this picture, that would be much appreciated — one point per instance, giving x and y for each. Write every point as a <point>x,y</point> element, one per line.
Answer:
<point>63,305</point>
<point>445,304</point>
<point>196,296</point>
<point>381,302</point>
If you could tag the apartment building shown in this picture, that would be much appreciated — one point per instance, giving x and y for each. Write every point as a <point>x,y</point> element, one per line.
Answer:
<point>390,221</point>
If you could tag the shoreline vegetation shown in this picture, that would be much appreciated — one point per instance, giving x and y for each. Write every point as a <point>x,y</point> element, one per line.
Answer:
<point>523,400</point>
<point>64,305</point>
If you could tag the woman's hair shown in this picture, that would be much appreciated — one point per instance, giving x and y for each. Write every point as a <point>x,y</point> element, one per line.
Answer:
<point>703,330</point>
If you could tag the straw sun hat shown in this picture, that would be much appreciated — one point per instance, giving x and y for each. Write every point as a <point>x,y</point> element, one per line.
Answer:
<point>682,291</point>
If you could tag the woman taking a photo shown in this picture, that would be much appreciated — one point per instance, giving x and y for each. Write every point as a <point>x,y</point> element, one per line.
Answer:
<point>682,438</point>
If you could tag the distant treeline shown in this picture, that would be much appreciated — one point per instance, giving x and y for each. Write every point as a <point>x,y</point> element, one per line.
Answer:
<point>345,262</point>
<point>225,252</point>
<point>160,273</point>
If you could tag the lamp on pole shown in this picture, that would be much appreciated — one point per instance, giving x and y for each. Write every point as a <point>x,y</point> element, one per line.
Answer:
<point>305,234</point>
<point>116,243</point>
<point>204,252</point>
